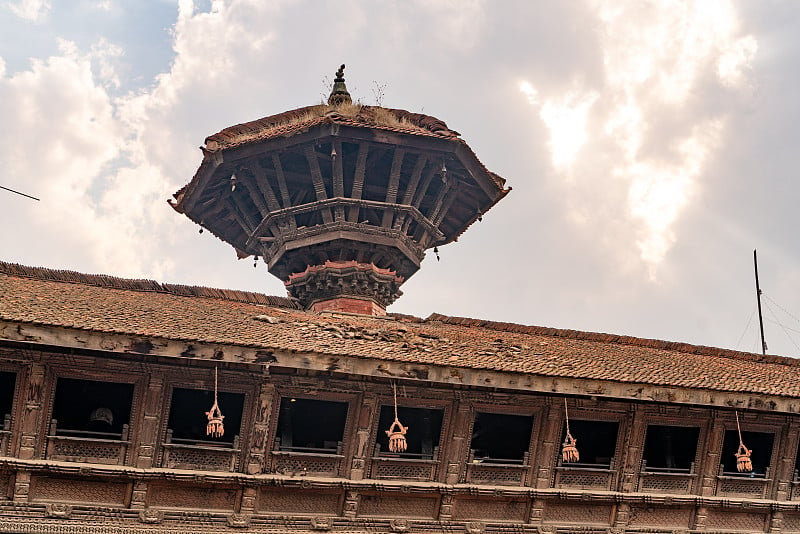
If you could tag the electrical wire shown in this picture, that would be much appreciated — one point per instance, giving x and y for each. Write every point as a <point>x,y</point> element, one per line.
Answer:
<point>752,313</point>
<point>769,309</point>
<point>17,192</point>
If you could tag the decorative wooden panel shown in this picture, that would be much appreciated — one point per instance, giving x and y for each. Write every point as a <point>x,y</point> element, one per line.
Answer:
<point>583,478</point>
<point>393,505</point>
<point>403,468</point>
<point>192,497</point>
<point>577,513</point>
<point>293,463</point>
<point>666,483</point>
<point>490,509</point>
<point>791,522</point>
<point>285,501</point>
<point>742,486</point>
<point>730,521</point>
<point>660,517</point>
<point>497,475</point>
<point>202,458</point>
<point>48,489</point>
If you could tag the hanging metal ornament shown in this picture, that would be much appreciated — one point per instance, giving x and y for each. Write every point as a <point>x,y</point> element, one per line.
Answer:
<point>743,462</point>
<point>569,449</point>
<point>215,428</point>
<point>397,432</point>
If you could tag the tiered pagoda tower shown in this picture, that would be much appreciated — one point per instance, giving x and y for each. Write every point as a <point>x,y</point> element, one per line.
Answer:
<point>341,200</point>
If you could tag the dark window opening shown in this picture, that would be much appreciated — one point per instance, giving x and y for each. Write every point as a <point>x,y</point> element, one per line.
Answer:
<point>188,421</point>
<point>670,448</point>
<point>424,427</point>
<point>760,443</point>
<point>501,438</point>
<point>312,426</point>
<point>597,442</point>
<point>7,383</point>
<point>92,409</point>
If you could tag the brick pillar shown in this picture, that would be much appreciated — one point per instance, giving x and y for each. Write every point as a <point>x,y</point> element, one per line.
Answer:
<point>151,421</point>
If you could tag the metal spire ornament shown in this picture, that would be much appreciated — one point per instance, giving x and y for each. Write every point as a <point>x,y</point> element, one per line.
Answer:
<point>569,449</point>
<point>397,436</point>
<point>215,428</point>
<point>743,462</point>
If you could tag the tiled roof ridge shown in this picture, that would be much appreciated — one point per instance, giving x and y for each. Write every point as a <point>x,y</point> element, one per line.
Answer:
<point>688,348</point>
<point>143,285</point>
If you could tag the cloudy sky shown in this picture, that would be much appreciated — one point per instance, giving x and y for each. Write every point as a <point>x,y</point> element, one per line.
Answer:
<point>651,145</point>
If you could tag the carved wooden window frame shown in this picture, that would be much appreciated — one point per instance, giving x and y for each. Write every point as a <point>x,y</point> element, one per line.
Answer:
<point>202,378</point>
<point>591,410</point>
<point>773,426</point>
<point>17,402</point>
<point>676,419</point>
<point>91,373</point>
<point>353,400</point>
<point>386,398</point>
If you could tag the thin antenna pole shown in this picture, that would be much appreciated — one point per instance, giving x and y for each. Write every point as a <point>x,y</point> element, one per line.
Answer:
<point>17,192</point>
<point>758,297</point>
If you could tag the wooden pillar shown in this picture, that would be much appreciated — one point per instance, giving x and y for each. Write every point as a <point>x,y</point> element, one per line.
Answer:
<point>32,438</point>
<point>784,471</point>
<point>257,456</point>
<point>633,441</point>
<point>711,457</point>
<point>365,420</point>
<point>550,443</point>
<point>151,421</point>
<point>458,444</point>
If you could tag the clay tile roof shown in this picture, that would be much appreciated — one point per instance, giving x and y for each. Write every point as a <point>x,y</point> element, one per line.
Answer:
<point>31,295</point>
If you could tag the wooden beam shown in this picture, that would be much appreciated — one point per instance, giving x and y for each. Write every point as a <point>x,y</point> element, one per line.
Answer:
<point>319,184</point>
<point>257,197</point>
<point>394,184</point>
<point>358,179</point>
<point>338,178</point>
<point>411,188</point>
<point>276,163</point>
<point>266,189</point>
<point>421,191</point>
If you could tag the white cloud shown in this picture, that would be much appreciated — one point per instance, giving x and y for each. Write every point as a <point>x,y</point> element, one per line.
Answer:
<point>32,10</point>
<point>646,129</point>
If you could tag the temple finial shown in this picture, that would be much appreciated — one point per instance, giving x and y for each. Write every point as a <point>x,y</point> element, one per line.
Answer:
<point>339,94</point>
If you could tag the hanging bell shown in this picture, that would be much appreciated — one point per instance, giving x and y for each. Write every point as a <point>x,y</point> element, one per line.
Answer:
<point>569,450</point>
<point>215,428</point>
<point>743,462</point>
<point>397,437</point>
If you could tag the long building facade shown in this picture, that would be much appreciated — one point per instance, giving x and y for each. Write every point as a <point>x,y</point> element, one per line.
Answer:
<point>134,406</point>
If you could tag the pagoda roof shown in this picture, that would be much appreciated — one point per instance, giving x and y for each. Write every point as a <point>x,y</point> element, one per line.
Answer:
<point>289,123</point>
<point>448,348</point>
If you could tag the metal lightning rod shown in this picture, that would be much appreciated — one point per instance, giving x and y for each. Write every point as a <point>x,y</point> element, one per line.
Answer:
<point>758,296</point>
<point>17,192</point>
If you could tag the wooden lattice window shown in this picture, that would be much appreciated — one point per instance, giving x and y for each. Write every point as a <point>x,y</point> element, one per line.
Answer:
<point>424,430</point>
<point>597,442</point>
<point>759,442</point>
<point>670,449</point>
<point>500,438</point>
<point>311,425</point>
<point>92,409</point>
<point>187,418</point>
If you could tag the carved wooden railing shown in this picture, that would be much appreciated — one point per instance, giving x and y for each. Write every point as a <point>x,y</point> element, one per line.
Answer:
<point>666,480</point>
<point>753,485</point>
<point>585,476</point>
<point>404,466</point>
<point>306,460</point>
<point>497,471</point>
<point>795,491</point>
<point>85,446</point>
<point>5,435</point>
<point>201,455</point>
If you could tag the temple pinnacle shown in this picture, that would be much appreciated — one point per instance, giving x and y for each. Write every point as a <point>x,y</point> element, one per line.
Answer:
<point>339,94</point>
